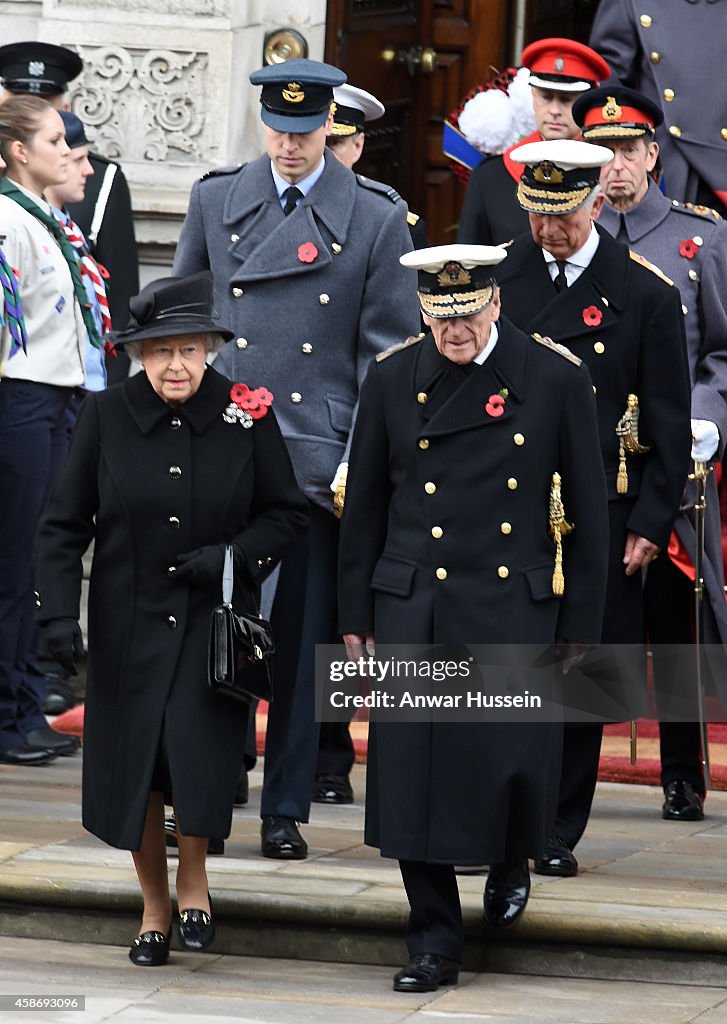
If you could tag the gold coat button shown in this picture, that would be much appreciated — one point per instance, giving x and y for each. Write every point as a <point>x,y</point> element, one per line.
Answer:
<point>171,569</point>
<point>172,622</point>
<point>237,292</point>
<point>324,299</point>
<point>429,487</point>
<point>175,472</point>
<point>422,397</point>
<point>668,95</point>
<point>296,397</point>
<point>437,532</point>
<point>173,522</point>
<point>519,439</point>
<point>693,275</point>
<point>175,423</point>
<point>512,484</point>
<point>654,57</point>
<point>306,347</point>
<point>698,240</point>
<point>441,574</point>
<point>503,572</point>
<point>599,348</point>
<point>645,20</point>
<point>423,443</point>
<point>336,248</point>
<point>675,131</point>
<point>234,238</point>
<point>241,342</point>
<point>723,133</point>
<point>505,528</point>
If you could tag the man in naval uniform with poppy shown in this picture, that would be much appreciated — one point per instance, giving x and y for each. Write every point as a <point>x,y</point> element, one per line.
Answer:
<point>305,255</point>
<point>571,281</point>
<point>473,446</point>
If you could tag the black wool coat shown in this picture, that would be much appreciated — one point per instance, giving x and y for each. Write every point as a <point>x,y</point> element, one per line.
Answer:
<point>148,482</point>
<point>469,792</point>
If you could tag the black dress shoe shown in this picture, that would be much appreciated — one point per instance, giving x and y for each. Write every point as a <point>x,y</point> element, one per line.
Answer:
<point>150,949</point>
<point>425,972</point>
<point>332,789</point>
<point>558,860</point>
<point>279,837</point>
<point>48,738</point>
<point>214,846</point>
<point>28,756</point>
<point>196,929</point>
<point>242,793</point>
<point>506,893</point>
<point>59,697</point>
<point>682,802</point>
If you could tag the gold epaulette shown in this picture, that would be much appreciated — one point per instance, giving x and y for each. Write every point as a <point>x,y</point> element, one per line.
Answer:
<point>703,211</point>
<point>650,266</point>
<point>560,349</point>
<point>412,218</point>
<point>412,340</point>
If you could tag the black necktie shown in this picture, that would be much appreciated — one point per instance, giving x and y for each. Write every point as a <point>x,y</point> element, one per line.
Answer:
<point>291,197</point>
<point>560,281</point>
<point>623,235</point>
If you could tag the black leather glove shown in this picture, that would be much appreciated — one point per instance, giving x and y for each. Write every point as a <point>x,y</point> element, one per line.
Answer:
<point>201,566</point>
<point>63,641</point>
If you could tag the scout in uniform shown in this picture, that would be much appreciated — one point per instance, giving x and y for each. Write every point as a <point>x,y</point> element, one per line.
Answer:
<point>306,262</point>
<point>560,70</point>
<point>571,281</point>
<point>448,537</point>
<point>689,244</point>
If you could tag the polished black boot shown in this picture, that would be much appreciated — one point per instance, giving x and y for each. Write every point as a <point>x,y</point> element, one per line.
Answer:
<point>506,893</point>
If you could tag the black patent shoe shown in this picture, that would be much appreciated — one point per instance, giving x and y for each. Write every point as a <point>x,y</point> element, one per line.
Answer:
<point>196,929</point>
<point>214,846</point>
<point>682,802</point>
<point>281,838</point>
<point>332,789</point>
<point>425,972</point>
<point>49,739</point>
<point>506,893</point>
<point>150,949</point>
<point>557,860</point>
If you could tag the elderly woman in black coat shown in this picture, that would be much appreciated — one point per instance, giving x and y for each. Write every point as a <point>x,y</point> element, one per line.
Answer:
<point>161,476</point>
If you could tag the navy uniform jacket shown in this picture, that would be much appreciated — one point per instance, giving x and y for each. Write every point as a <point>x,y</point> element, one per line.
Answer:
<point>491,478</point>
<point>690,246</point>
<point>637,346</point>
<point>311,297</point>
<point>674,48</point>
<point>491,213</point>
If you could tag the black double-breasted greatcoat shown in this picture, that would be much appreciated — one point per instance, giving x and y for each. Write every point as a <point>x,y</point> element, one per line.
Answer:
<point>149,481</point>
<point>445,540</point>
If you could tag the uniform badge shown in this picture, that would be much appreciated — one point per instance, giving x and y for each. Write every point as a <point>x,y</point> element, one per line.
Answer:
<point>546,171</point>
<point>688,248</point>
<point>307,252</point>
<point>36,68</point>
<point>453,273</point>
<point>592,316</point>
<point>294,93</point>
<point>611,110</point>
<point>247,405</point>
<point>60,304</point>
<point>558,64</point>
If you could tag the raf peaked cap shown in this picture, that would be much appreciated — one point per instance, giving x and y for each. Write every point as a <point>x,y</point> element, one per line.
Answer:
<point>559,175</point>
<point>564,65</point>
<point>353,107</point>
<point>75,132</point>
<point>170,306</point>
<point>38,68</point>
<point>297,94</point>
<point>615,112</point>
<point>454,280</point>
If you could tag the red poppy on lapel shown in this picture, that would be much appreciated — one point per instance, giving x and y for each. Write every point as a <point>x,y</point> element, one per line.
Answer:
<point>307,252</point>
<point>256,402</point>
<point>688,248</point>
<point>592,316</point>
<point>495,405</point>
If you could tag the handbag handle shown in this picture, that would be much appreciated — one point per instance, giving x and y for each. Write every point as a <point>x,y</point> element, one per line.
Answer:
<point>228,577</point>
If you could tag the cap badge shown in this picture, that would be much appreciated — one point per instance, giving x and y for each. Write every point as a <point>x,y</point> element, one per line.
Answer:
<point>334,106</point>
<point>611,110</point>
<point>294,93</point>
<point>36,67</point>
<point>546,171</point>
<point>453,273</point>
<point>558,64</point>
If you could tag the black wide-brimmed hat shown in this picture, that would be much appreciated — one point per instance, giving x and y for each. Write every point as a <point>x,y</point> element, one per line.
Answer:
<point>170,306</point>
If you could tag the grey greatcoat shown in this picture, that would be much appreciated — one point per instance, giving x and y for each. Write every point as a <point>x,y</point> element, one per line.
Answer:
<point>444,540</point>
<point>150,482</point>
<point>311,297</point>
<point>657,228</point>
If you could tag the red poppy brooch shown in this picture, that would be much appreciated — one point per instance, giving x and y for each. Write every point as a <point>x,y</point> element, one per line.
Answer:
<point>307,252</point>
<point>496,403</point>
<point>247,405</point>
<point>592,316</point>
<point>688,248</point>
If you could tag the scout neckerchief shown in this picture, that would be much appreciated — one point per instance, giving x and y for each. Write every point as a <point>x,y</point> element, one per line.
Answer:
<point>49,221</point>
<point>13,308</point>
<point>89,267</point>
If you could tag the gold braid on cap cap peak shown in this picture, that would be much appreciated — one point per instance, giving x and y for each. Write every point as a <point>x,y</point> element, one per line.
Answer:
<point>615,131</point>
<point>456,303</point>
<point>343,129</point>
<point>535,199</point>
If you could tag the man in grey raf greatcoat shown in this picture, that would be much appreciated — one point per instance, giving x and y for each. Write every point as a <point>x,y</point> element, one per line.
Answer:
<point>689,244</point>
<point>305,255</point>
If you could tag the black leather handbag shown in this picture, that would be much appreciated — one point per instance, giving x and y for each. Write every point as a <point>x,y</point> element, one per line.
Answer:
<point>240,647</point>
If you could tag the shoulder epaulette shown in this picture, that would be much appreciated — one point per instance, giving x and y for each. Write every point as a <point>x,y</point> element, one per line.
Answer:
<point>412,340</point>
<point>412,219</point>
<point>217,172</point>
<point>561,350</point>
<point>650,266</point>
<point>379,186</point>
<point>701,211</point>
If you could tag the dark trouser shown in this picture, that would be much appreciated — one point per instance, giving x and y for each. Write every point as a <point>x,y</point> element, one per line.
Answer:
<point>435,918</point>
<point>33,443</point>
<point>336,754</point>
<point>304,614</point>
<point>669,612</point>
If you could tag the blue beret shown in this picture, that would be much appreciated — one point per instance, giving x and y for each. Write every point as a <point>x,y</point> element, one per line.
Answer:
<point>75,132</point>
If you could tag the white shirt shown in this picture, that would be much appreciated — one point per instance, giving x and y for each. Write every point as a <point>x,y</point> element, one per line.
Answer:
<point>487,350</point>
<point>577,263</point>
<point>305,184</point>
